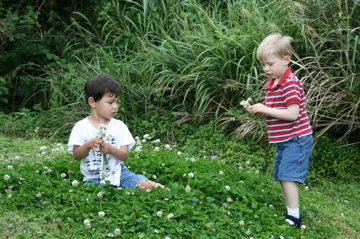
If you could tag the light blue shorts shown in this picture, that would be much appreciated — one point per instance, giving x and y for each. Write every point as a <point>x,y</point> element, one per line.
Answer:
<point>127,179</point>
<point>292,159</point>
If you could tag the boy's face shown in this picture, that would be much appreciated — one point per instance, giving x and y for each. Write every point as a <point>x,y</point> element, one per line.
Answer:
<point>275,66</point>
<point>108,106</point>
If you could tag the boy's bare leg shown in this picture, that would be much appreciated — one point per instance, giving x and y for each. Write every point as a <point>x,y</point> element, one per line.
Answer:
<point>290,193</point>
<point>291,196</point>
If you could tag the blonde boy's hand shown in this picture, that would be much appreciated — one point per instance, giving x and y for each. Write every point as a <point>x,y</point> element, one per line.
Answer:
<point>257,109</point>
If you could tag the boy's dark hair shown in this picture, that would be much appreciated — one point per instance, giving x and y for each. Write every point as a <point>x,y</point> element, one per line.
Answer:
<point>97,86</point>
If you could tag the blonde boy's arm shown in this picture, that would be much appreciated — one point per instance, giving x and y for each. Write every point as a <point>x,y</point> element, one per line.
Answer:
<point>291,113</point>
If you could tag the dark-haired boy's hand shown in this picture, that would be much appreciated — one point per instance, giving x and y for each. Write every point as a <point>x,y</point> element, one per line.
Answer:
<point>94,143</point>
<point>105,148</point>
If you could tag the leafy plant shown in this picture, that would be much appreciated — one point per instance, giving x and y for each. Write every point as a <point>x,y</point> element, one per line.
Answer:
<point>208,198</point>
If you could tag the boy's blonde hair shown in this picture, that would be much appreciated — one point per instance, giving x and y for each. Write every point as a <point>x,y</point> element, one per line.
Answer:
<point>274,45</point>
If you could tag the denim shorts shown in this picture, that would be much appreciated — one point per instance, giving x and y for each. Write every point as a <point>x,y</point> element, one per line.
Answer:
<point>127,179</point>
<point>292,159</point>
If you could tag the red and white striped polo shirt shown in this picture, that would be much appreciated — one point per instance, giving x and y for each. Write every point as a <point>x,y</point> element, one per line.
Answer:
<point>288,91</point>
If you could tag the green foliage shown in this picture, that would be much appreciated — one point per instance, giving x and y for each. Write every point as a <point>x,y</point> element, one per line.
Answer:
<point>334,160</point>
<point>208,198</point>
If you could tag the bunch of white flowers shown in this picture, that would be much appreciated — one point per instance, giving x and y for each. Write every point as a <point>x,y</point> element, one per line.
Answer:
<point>103,135</point>
<point>246,103</point>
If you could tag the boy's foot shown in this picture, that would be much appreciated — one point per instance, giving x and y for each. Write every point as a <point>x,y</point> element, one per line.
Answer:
<point>293,221</point>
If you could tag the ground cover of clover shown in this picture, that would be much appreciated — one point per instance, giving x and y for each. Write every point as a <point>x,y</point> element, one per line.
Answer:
<point>41,196</point>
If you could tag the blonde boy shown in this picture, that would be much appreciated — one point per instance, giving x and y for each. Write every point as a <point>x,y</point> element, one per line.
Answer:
<point>288,124</point>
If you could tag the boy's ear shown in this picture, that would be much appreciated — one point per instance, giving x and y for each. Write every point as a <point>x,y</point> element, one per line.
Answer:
<point>91,102</point>
<point>287,59</point>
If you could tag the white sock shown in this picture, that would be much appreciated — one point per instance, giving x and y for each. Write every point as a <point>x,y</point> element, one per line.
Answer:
<point>295,212</point>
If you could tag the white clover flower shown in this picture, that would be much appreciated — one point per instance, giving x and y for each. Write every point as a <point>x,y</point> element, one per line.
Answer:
<point>146,136</point>
<point>179,153</point>
<point>102,182</point>
<point>169,216</point>
<point>229,200</point>
<point>192,159</point>
<point>303,227</point>
<point>307,188</point>
<point>248,232</point>
<point>75,183</point>
<point>138,148</point>
<point>159,213</point>
<point>102,127</point>
<point>191,175</point>
<point>110,235</point>
<point>10,167</point>
<point>6,177</point>
<point>108,137</point>
<point>42,148</point>
<point>38,195</point>
<point>86,222</point>
<point>143,141</point>
<point>154,177</point>
<point>117,232</point>
<point>156,149</point>
<point>156,231</point>
<point>100,194</point>
<point>241,223</point>
<point>247,162</point>
<point>101,214</point>
<point>17,157</point>
<point>227,188</point>
<point>167,237</point>
<point>63,175</point>
<point>157,141</point>
<point>188,188</point>
<point>221,172</point>
<point>167,146</point>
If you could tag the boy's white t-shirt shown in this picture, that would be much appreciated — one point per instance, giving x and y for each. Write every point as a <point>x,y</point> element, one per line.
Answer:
<point>90,165</point>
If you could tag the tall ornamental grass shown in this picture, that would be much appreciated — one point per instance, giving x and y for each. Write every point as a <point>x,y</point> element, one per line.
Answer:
<point>194,61</point>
